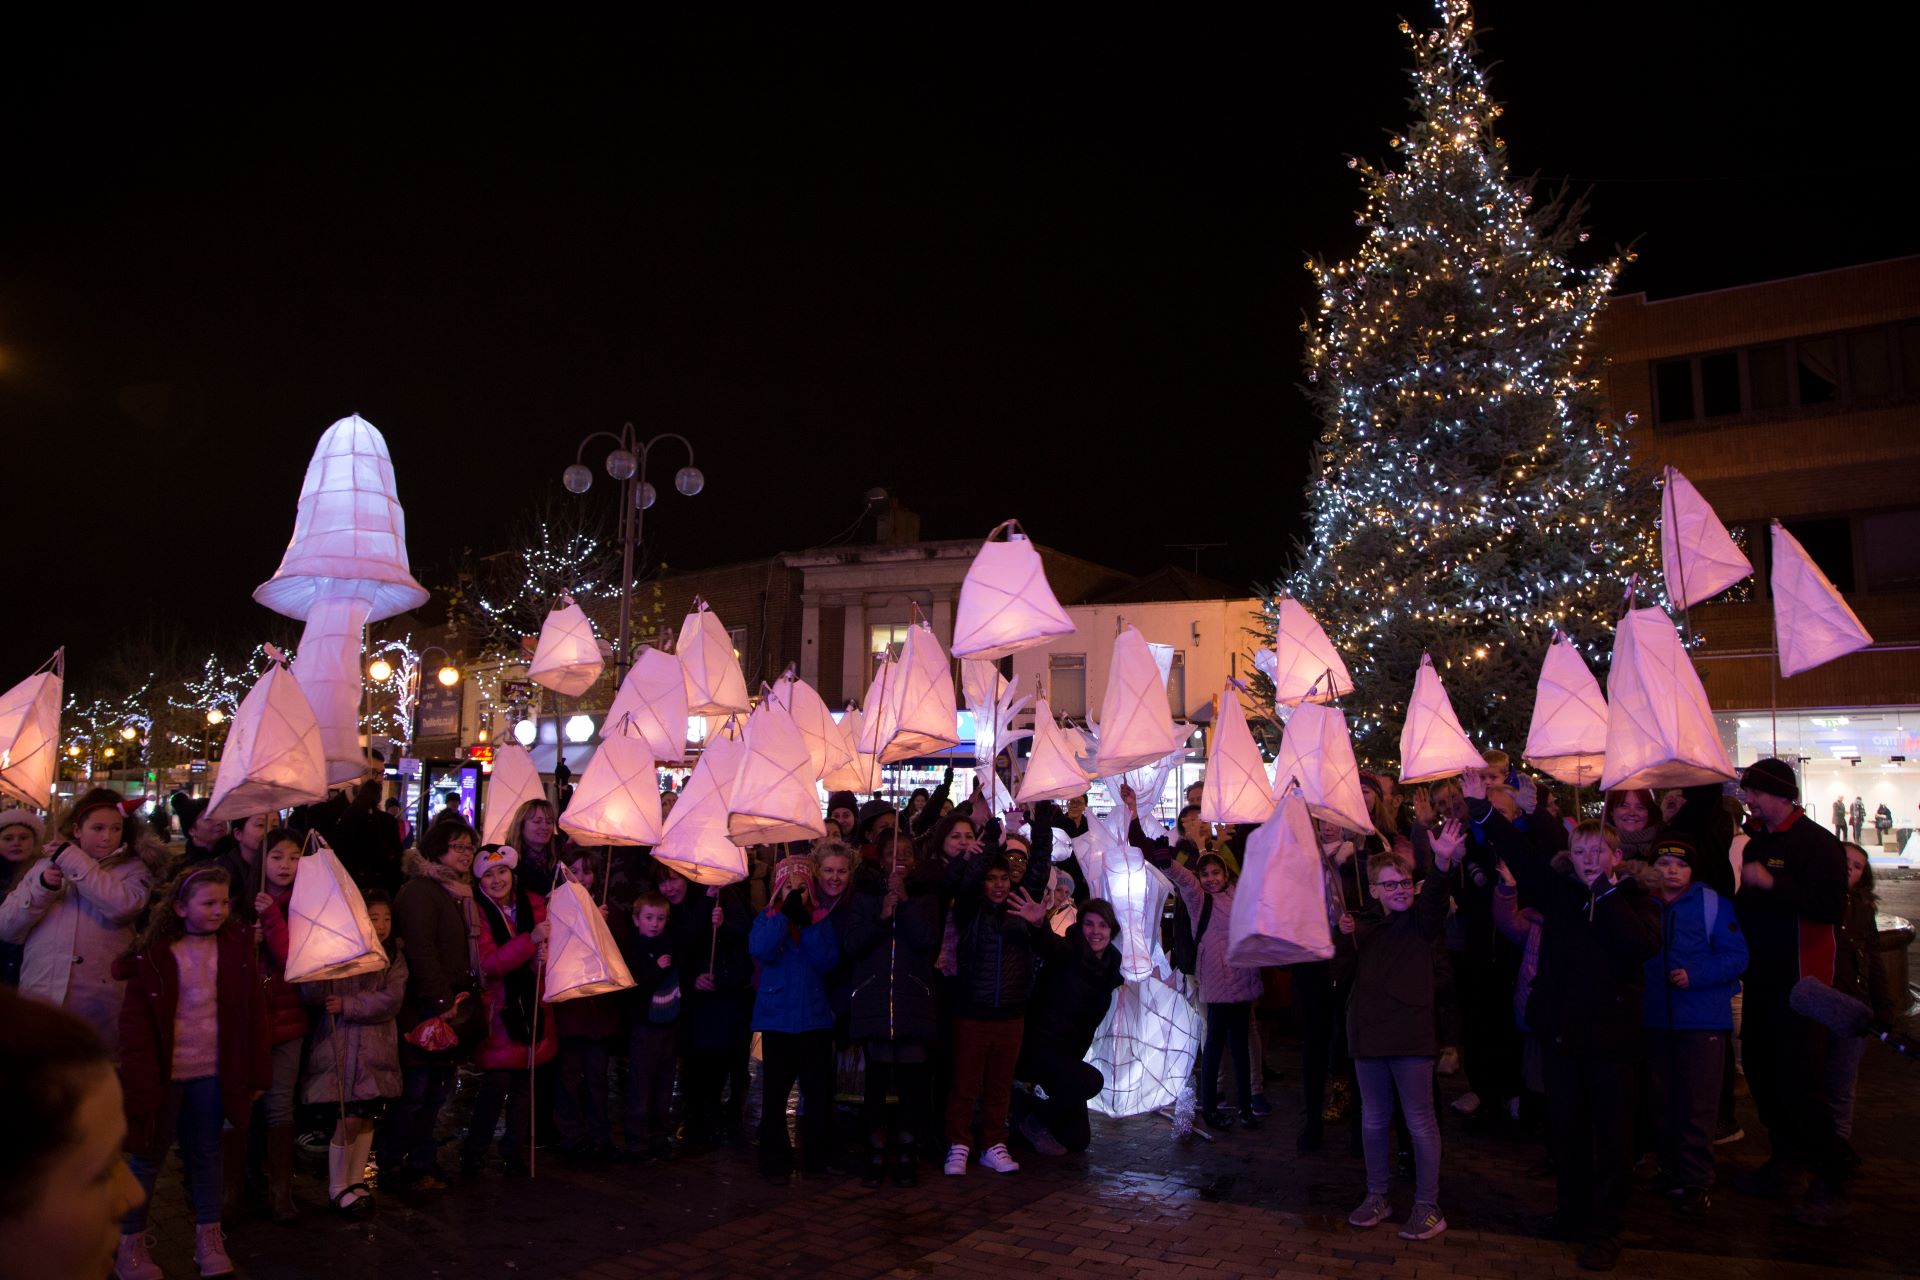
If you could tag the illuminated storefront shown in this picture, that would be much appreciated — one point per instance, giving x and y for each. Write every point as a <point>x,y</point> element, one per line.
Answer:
<point>1868,753</point>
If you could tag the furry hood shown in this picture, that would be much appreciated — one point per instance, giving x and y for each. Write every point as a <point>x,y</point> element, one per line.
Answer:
<point>416,867</point>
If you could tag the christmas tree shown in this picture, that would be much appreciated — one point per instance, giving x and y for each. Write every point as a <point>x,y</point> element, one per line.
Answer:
<point>1469,496</point>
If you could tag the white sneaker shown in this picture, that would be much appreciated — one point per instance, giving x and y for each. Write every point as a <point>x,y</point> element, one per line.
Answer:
<point>995,1158</point>
<point>956,1160</point>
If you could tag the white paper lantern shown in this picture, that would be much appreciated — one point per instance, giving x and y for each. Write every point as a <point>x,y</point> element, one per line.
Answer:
<point>715,685</point>
<point>329,933</point>
<point>917,714</point>
<point>652,706</point>
<point>274,758</point>
<point>617,800</point>
<point>582,958</point>
<point>1053,771</point>
<point>861,773</point>
<point>1568,734</point>
<point>514,781</point>
<point>1280,905</point>
<point>695,842</point>
<point>1660,728</point>
<point>826,745</point>
<point>1697,555</point>
<point>981,683</point>
<point>567,659</point>
<point>1316,755</point>
<point>1005,602</point>
<point>1236,788</point>
<point>1303,664</point>
<point>30,736</point>
<point>1432,743</point>
<point>1812,622</point>
<point>1136,726</point>
<point>773,799</point>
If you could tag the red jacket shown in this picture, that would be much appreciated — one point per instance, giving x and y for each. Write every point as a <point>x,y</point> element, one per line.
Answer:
<point>499,1051</point>
<point>146,1034</point>
<point>290,1017</point>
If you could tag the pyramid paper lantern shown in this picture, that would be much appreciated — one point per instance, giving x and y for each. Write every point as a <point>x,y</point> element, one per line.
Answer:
<point>617,800</point>
<point>861,773</point>
<point>1812,622</point>
<point>715,685</point>
<point>1316,753</point>
<point>1280,906</point>
<point>582,958</point>
<point>1568,735</point>
<point>826,745</point>
<point>329,934</point>
<point>773,799</point>
<point>274,757</point>
<point>30,736</point>
<point>1432,743</point>
<point>652,706</point>
<point>1697,554</point>
<point>1660,728</point>
<point>1136,726</point>
<point>567,659</point>
<point>1236,787</point>
<point>1303,664</point>
<point>695,842</point>
<point>514,781</point>
<point>1053,769</point>
<point>981,683</point>
<point>917,714</point>
<point>1005,602</point>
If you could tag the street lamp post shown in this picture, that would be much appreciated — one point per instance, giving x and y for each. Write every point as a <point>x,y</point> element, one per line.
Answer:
<point>627,463</point>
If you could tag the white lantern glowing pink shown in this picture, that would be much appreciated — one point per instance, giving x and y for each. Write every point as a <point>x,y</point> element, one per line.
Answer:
<point>715,685</point>
<point>514,781</point>
<point>1697,555</point>
<point>1280,905</point>
<point>1236,788</point>
<point>1303,664</point>
<point>1316,756</point>
<point>651,705</point>
<point>274,757</point>
<point>695,842</point>
<point>1005,603</point>
<point>329,933</point>
<point>30,735</point>
<point>1568,734</point>
<point>773,799</point>
<point>917,713</point>
<point>617,800</point>
<point>1432,743</point>
<point>1136,725</point>
<point>1660,727</point>
<point>567,659</point>
<point>1812,622</point>
<point>582,958</point>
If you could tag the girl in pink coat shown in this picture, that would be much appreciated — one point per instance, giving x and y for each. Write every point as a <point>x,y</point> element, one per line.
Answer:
<point>512,950</point>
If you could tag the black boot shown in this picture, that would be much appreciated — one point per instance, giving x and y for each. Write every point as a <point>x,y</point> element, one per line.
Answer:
<point>906,1164</point>
<point>876,1171</point>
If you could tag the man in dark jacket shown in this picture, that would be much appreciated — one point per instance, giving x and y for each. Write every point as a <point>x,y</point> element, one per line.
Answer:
<point>1793,893</point>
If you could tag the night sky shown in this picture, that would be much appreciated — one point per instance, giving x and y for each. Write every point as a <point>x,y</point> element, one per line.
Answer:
<point>1021,264</point>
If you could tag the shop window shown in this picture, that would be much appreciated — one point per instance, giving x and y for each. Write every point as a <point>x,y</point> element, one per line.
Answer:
<point>1720,385</point>
<point>1869,365</point>
<point>1673,390</point>
<point>1830,543</point>
<point>1891,543</point>
<point>1819,370</point>
<point>1177,685</point>
<point>1767,378</point>
<point>1067,684</point>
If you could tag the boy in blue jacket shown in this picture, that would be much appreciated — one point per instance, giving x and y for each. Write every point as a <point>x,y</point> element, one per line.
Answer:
<point>1689,1014</point>
<point>795,1021</point>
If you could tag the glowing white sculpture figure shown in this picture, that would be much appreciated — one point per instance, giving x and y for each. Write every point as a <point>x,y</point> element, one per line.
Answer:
<point>772,799</point>
<point>1303,664</point>
<point>1660,728</point>
<point>514,781</point>
<point>1136,726</point>
<point>1432,743</point>
<point>1567,737</point>
<point>1280,905</point>
<point>995,705</point>
<point>1812,622</point>
<point>617,800</point>
<point>1053,771</point>
<point>345,567</point>
<point>1697,555</point>
<point>1005,602</point>
<point>861,773</point>
<point>329,933</point>
<point>826,745</point>
<point>274,758</point>
<point>715,685</point>
<point>30,735</point>
<point>652,706</point>
<point>567,659</point>
<point>1236,788</point>
<point>916,714</point>
<point>695,842</point>
<point>582,958</point>
<point>1316,752</point>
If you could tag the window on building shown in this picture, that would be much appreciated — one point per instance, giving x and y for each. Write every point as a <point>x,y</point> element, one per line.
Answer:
<point>888,638</point>
<point>1067,684</point>
<point>1830,543</point>
<point>1819,370</point>
<point>1869,365</point>
<point>1720,385</point>
<point>1177,685</point>
<point>1673,390</point>
<point>1767,378</point>
<point>1890,543</point>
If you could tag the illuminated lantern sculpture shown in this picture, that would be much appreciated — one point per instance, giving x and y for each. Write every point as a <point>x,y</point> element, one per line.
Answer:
<point>1303,664</point>
<point>695,842</point>
<point>1660,728</point>
<point>715,685</point>
<point>917,714</point>
<point>773,799</point>
<point>1697,555</point>
<point>826,745</point>
<point>1236,788</point>
<point>1280,905</point>
<point>567,659</point>
<point>1567,737</point>
<point>329,933</point>
<point>513,782</point>
<point>652,706</point>
<point>582,958</point>
<point>995,705</point>
<point>1005,602</point>
<point>1316,752</point>
<point>274,758</point>
<point>1432,743</point>
<point>345,567</point>
<point>30,735</point>
<point>1053,766</point>
<point>861,773</point>
<point>617,800</point>
<point>1812,622</point>
<point>1136,725</point>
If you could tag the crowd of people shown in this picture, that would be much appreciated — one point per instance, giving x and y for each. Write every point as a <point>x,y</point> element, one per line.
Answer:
<point>929,981</point>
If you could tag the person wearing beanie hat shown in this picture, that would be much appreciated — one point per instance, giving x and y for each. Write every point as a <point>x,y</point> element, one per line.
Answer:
<point>1793,893</point>
<point>21,832</point>
<point>843,810</point>
<point>512,950</point>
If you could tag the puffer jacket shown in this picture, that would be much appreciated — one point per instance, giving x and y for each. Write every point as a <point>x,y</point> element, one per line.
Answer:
<point>793,988</point>
<point>289,1014</point>
<point>1073,994</point>
<point>436,926</point>
<point>360,1042</point>
<point>500,1051</point>
<point>1714,959</point>
<point>1220,982</point>
<point>995,948</point>
<point>73,934</point>
<point>892,974</point>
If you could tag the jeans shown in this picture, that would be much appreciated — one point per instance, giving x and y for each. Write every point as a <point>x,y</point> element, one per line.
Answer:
<point>1843,1074</point>
<point>787,1057</point>
<point>1590,1097</point>
<point>580,1109</point>
<point>510,1089</point>
<point>1411,1078</point>
<point>650,1055</point>
<point>1226,1022</point>
<point>277,1105</point>
<point>985,1052</point>
<point>1683,1070</point>
<point>424,1091</point>
<point>193,1116</point>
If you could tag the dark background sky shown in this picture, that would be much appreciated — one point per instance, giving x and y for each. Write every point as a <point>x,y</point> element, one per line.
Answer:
<point>1015,264</point>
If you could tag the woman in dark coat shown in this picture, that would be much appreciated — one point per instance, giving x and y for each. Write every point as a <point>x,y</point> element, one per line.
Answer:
<point>1078,975</point>
<point>716,993</point>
